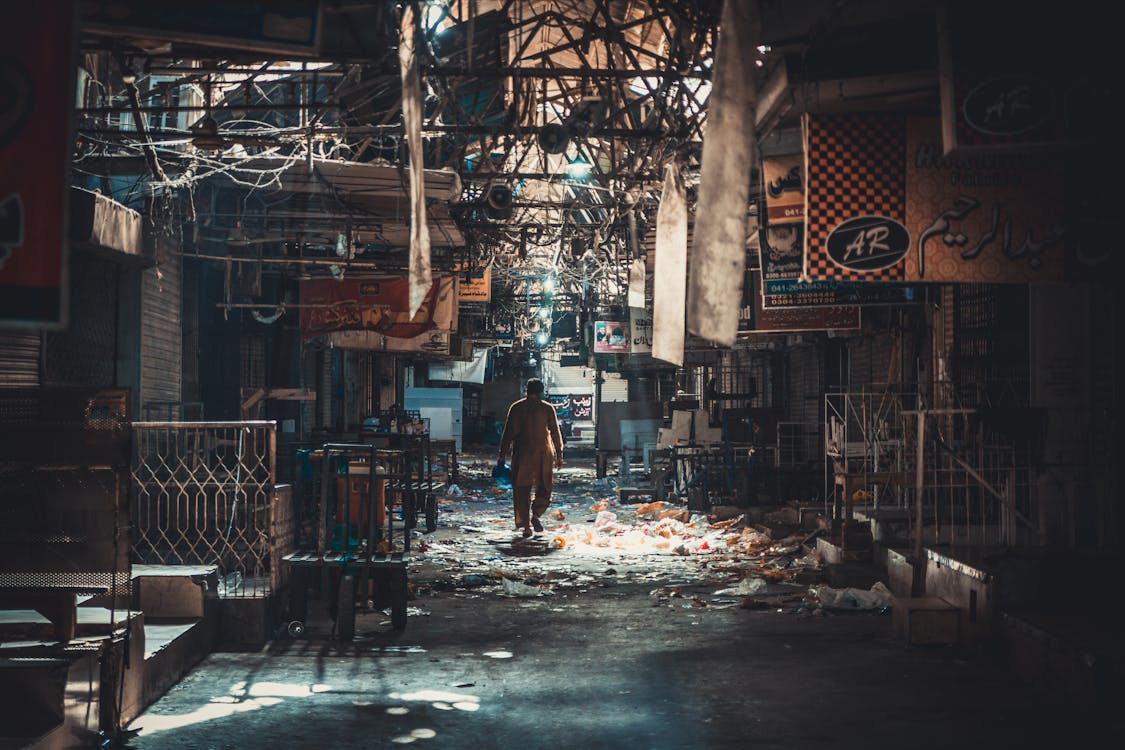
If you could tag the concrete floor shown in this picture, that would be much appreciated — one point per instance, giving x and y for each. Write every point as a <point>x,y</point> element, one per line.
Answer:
<point>604,664</point>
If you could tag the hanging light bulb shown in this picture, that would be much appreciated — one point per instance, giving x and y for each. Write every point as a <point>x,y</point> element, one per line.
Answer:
<point>542,338</point>
<point>579,168</point>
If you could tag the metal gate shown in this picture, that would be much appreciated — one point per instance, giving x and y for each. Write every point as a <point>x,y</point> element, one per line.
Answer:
<point>206,496</point>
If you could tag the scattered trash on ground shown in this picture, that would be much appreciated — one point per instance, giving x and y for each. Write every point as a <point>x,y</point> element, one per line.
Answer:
<point>732,557</point>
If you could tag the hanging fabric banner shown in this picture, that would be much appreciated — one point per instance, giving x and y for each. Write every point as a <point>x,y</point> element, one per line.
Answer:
<point>669,291</point>
<point>719,244</point>
<point>420,278</point>
<point>472,371</point>
<point>637,283</point>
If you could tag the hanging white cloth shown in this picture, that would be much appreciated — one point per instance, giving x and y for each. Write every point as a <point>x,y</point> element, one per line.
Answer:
<point>670,275</point>
<point>718,252</point>
<point>420,277</point>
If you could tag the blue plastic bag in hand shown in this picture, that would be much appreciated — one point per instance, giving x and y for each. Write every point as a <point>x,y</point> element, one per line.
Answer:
<point>502,474</point>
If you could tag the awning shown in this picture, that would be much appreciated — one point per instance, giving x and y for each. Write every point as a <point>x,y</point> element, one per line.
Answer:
<point>104,226</point>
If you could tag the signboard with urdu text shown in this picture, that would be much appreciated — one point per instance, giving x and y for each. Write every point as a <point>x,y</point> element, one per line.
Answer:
<point>885,205</point>
<point>474,286</point>
<point>640,326</point>
<point>377,305</point>
<point>754,318</point>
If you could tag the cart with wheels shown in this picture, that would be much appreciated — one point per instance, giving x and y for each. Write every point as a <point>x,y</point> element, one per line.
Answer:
<point>419,481</point>
<point>360,553</point>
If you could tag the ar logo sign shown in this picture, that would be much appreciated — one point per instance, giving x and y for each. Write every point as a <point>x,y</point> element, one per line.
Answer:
<point>11,226</point>
<point>868,243</point>
<point>1007,105</point>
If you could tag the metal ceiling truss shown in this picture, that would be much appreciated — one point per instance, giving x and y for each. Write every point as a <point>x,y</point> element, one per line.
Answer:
<point>619,85</point>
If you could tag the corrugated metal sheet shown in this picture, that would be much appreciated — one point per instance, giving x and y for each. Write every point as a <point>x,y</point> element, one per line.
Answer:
<point>19,358</point>
<point>568,379</point>
<point>162,332</point>
<point>581,380</point>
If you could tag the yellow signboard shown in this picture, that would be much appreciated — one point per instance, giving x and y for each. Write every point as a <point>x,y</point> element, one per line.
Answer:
<point>475,286</point>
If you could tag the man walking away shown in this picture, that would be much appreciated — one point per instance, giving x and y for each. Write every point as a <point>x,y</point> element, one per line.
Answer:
<point>532,432</point>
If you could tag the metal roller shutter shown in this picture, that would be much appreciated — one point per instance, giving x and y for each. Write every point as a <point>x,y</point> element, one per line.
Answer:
<point>162,333</point>
<point>615,387</point>
<point>19,358</point>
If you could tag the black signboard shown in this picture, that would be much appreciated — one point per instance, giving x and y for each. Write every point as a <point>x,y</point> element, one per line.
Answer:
<point>581,406</point>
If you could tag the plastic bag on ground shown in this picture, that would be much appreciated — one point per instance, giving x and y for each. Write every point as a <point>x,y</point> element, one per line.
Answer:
<point>230,583</point>
<point>879,597</point>
<point>605,517</point>
<point>745,587</point>
<point>515,588</point>
<point>454,490</point>
<point>668,527</point>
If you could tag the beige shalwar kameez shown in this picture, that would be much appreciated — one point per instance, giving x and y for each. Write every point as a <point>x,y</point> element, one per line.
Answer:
<point>532,432</point>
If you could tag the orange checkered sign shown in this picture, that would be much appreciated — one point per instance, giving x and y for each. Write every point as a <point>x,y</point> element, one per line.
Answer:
<point>884,204</point>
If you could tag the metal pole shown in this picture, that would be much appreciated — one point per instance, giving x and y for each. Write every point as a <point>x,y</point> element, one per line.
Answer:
<point>598,379</point>
<point>919,484</point>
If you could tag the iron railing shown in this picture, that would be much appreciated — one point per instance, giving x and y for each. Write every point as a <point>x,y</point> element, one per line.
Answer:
<point>957,481</point>
<point>206,495</point>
